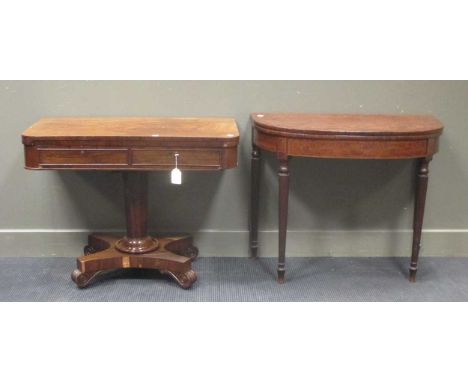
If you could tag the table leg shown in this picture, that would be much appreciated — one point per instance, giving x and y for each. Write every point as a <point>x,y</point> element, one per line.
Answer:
<point>419,203</point>
<point>283,178</point>
<point>254,193</point>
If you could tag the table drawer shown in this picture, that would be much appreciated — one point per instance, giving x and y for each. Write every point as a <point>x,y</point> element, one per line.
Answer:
<point>166,158</point>
<point>83,157</point>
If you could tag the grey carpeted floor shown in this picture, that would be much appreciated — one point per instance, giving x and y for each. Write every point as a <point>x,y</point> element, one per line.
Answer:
<point>242,279</point>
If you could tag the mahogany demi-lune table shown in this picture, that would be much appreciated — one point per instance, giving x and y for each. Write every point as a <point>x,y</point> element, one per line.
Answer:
<point>345,137</point>
<point>133,146</point>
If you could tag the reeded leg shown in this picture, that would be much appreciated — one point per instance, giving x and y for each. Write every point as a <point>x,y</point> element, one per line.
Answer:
<point>283,177</point>
<point>419,203</point>
<point>254,192</point>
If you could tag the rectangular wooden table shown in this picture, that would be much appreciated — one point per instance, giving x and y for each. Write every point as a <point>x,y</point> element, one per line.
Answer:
<point>344,136</point>
<point>134,146</point>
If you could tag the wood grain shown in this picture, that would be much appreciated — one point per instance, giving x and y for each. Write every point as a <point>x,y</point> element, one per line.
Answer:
<point>98,157</point>
<point>131,143</point>
<point>134,128</point>
<point>102,254</point>
<point>187,158</point>
<point>348,124</point>
<point>347,136</point>
<point>357,149</point>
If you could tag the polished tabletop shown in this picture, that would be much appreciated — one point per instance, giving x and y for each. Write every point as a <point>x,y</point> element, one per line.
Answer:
<point>348,124</point>
<point>128,127</point>
<point>128,143</point>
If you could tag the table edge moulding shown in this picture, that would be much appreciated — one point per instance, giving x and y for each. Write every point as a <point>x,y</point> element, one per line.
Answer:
<point>133,146</point>
<point>340,136</point>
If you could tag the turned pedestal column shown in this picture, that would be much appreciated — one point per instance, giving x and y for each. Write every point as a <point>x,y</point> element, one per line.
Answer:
<point>136,211</point>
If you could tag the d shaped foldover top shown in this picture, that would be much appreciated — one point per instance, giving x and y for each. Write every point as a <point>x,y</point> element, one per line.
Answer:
<point>133,146</point>
<point>344,136</point>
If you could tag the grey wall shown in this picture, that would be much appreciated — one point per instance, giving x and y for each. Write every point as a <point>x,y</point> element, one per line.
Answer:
<point>337,207</point>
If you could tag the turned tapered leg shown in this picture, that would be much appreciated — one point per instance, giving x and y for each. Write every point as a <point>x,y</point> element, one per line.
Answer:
<point>283,178</point>
<point>419,203</point>
<point>254,193</point>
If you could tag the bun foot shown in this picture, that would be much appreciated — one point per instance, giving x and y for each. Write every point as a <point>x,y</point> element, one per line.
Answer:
<point>184,279</point>
<point>412,275</point>
<point>81,279</point>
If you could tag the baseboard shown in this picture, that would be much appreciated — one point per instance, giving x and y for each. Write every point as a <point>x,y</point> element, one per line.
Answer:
<point>69,243</point>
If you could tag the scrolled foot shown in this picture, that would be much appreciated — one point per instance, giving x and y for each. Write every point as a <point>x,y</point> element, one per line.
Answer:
<point>191,252</point>
<point>83,279</point>
<point>280,278</point>
<point>184,279</point>
<point>412,275</point>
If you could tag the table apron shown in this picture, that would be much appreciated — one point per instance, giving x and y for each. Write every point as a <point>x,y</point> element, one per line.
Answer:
<point>130,158</point>
<point>345,148</point>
